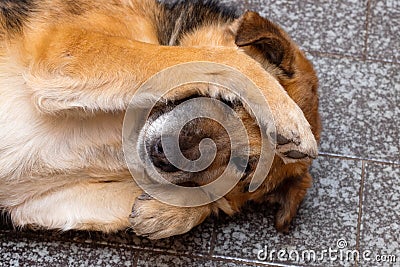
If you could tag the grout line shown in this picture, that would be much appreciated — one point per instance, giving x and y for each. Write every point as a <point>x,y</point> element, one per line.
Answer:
<point>248,261</point>
<point>333,155</point>
<point>336,55</point>
<point>135,262</point>
<point>213,238</point>
<point>49,239</point>
<point>358,58</point>
<point>211,258</point>
<point>3,232</point>
<point>246,4</point>
<point>360,208</point>
<point>368,13</point>
<point>215,258</point>
<point>382,61</point>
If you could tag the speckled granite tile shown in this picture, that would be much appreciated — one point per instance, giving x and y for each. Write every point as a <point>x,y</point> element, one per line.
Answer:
<point>384,29</point>
<point>328,214</point>
<point>241,5</point>
<point>380,228</point>
<point>359,104</point>
<point>196,241</point>
<point>326,26</point>
<point>16,250</point>
<point>161,260</point>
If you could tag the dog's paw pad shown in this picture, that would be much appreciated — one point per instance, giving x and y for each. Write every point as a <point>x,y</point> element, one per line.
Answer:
<point>293,154</point>
<point>293,145</point>
<point>282,140</point>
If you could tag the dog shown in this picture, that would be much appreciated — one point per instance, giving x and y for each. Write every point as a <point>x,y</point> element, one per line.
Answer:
<point>68,70</point>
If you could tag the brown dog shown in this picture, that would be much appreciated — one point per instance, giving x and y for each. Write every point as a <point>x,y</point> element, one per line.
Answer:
<point>68,70</point>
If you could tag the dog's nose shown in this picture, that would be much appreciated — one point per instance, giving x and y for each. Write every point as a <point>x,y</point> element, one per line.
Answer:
<point>159,159</point>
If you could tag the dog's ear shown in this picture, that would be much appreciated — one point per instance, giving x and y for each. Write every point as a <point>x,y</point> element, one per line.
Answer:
<point>266,38</point>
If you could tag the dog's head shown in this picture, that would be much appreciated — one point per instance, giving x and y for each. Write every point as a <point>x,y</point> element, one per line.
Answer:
<point>280,57</point>
<point>221,123</point>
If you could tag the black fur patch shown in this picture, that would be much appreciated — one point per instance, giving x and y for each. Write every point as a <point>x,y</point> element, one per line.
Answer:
<point>181,17</point>
<point>14,13</point>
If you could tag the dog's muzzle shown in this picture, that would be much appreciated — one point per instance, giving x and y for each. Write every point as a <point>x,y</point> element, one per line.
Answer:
<point>159,158</point>
<point>185,144</point>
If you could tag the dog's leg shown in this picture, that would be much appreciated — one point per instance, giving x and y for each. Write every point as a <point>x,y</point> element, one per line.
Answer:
<point>156,220</point>
<point>87,205</point>
<point>102,72</point>
<point>101,202</point>
<point>85,71</point>
<point>289,196</point>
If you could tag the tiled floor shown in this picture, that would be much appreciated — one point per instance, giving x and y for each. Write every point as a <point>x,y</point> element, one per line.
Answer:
<point>355,200</point>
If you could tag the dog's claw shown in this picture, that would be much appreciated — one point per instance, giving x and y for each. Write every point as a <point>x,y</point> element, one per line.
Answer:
<point>145,196</point>
<point>134,214</point>
<point>281,140</point>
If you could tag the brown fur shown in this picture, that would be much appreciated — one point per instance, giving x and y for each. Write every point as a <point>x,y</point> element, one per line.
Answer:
<point>68,71</point>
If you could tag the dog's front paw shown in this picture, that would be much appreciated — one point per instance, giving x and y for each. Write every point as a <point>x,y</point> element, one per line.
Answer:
<point>155,220</point>
<point>294,138</point>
